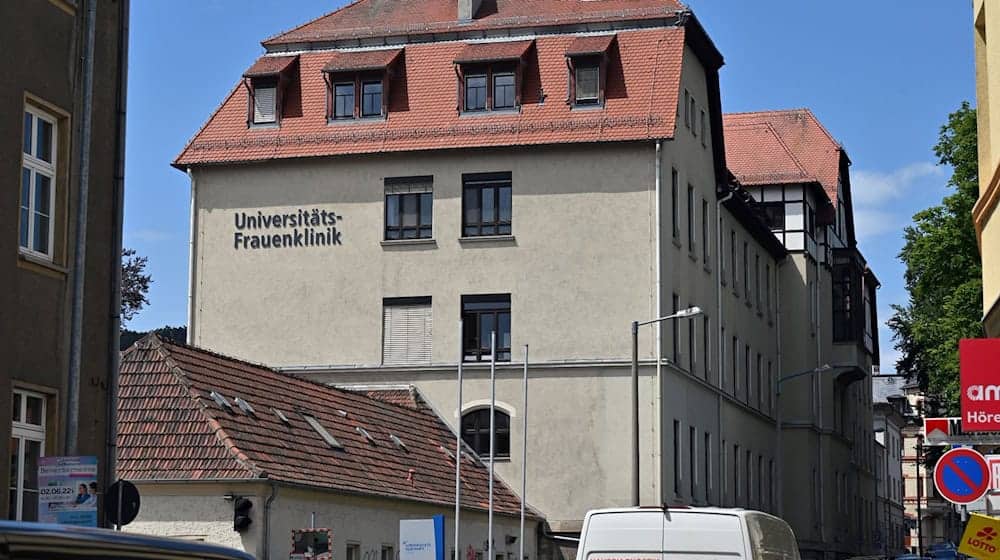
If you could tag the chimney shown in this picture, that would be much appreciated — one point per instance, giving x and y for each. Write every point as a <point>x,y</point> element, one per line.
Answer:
<point>467,9</point>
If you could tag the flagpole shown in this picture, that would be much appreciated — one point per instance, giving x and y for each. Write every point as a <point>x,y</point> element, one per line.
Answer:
<point>524,448</point>
<point>458,441</point>
<point>493,404</point>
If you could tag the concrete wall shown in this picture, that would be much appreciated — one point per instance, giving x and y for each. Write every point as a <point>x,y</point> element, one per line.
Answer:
<point>200,511</point>
<point>35,294</point>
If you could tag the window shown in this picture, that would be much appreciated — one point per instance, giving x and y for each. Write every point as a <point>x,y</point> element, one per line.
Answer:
<point>476,432</point>
<point>748,465</point>
<point>343,105</point>
<point>481,316</point>
<point>675,332</point>
<point>705,253</point>
<point>692,345</point>
<point>760,481</point>
<point>736,474</point>
<point>707,452</point>
<point>723,466</point>
<point>387,552</point>
<point>687,109</point>
<point>758,285</point>
<point>773,214</point>
<point>406,330</point>
<point>588,78</point>
<point>265,101</point>
<point>38,179</point>
<point>409,205</point>
<point>693,111</point>
<point>770,387</point>
<point>767,288</point>
<point>692,465</point>
<point>677,457</point>
<point>736,363</point>
<point>746,271</point>
<point>675,211</point>
<point>722,357</point>
<point>27,445</point>
<point>690,219</point>
<point>475,92</point>
<point>371,99</point>
<point>704,132</point>
<point>486,204</point>
<point>353,551</point>
<point>747,373</point>
<point>732,259</point>
<point>504,90</point>
<point>760,382</point>
<point>706,343</point>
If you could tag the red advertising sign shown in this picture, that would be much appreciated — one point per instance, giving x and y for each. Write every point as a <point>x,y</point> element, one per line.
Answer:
<point>980,371</point>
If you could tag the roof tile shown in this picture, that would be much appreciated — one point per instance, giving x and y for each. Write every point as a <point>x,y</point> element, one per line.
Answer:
<point>493,51</point>
<point>269,66</point>
<point>347,61</point>
<point>170,429</point>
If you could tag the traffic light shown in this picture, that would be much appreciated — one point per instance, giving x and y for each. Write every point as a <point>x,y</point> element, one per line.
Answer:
<point>241,514</point>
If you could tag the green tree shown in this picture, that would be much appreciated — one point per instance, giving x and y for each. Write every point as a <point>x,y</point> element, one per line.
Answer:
<point>135,284</point>
<point>943,271</point>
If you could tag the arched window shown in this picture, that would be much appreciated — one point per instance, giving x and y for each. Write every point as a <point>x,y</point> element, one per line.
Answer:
<point>476,432</point>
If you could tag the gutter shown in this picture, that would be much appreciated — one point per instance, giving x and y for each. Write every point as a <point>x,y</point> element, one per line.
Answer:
<point>80,250</point>
<point>191,257</point>
<point>118,203</point>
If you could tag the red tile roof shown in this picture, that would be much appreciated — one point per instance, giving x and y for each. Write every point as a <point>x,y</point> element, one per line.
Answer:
<point>800,145</point>
<point>171,429</point>
<point>487,52</point>
<point>269,66</point>
<point>380,18</point>
<point>598,44</point>
<point>361,60</point>
<point>642,90</point>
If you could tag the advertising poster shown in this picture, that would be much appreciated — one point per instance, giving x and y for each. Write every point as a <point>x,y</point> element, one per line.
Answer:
<point>67,490</point>
<point>421,539</point>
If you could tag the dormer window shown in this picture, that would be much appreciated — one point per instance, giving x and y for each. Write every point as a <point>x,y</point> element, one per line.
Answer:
<point>266,82</point>
<point>358,84</point>
<point>490,76</point>
<point>587,59</point>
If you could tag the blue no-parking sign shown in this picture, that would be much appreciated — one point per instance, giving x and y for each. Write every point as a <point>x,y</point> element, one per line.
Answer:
<point>962,476</point>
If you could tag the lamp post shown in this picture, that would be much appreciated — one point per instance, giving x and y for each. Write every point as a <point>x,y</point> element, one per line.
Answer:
<point>683,313</point>
<point>778,431</point>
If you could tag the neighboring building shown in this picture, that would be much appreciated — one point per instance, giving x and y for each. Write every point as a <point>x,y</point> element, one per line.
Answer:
<point>550,171</point>
<point>199,431</point>
<point>799,178</point>
<point>41,110</point>
<point>987,25</point>
<point>939,521</point>
<point>891,412</point>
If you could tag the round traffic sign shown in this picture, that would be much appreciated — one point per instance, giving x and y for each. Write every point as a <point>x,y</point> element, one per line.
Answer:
<point>962,476</point>
<point>121,503</point>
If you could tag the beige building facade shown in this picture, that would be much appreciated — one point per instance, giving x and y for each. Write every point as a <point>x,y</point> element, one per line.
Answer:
<point>987,28</point>
<point>592,232</point>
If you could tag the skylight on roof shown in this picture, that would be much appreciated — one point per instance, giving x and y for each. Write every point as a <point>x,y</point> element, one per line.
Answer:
<point>342,412</point>
<point>221,401</point>
<point>447,452</point>
<point>327,436</point>
<point>399,443</point>
<point>245,406</point>
<point>365,433</point>
<point>281,416</point>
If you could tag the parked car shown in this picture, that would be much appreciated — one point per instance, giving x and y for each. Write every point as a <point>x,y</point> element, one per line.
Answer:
<point>39,541</point>
<point>641,533</point>
<point>912,557</point>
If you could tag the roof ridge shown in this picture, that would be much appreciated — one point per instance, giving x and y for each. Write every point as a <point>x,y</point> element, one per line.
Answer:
<point>241,459</point>
<point>791,154</point>
<point>315,19</point>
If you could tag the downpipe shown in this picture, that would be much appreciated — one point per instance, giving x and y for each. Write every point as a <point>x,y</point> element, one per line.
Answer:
<point>719,346</point>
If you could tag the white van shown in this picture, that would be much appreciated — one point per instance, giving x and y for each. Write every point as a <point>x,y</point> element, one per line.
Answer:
<point>685,534</point>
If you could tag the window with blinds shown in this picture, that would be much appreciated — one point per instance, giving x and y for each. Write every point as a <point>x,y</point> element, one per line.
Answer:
<point>406,330</point>
<point>264,98</point>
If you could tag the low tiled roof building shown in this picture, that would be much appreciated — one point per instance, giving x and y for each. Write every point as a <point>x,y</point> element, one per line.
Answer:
<point>191,420</point>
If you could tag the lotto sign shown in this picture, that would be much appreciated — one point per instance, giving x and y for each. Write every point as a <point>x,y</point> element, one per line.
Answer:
<point>979,359</point>
<point>981,538</point>
<point>962,476</point>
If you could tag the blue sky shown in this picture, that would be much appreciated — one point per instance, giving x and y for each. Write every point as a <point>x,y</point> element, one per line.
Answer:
<point>882,77</point>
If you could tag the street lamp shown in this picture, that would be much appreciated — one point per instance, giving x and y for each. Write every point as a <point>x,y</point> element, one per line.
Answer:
<point>778,431</point>
<point>682,314</point>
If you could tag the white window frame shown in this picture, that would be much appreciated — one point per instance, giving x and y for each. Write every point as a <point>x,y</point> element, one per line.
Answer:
<point>22,432</point>
<point>37,166</point>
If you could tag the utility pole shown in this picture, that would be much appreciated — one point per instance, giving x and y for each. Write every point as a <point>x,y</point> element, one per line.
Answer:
<point>920,497</point>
